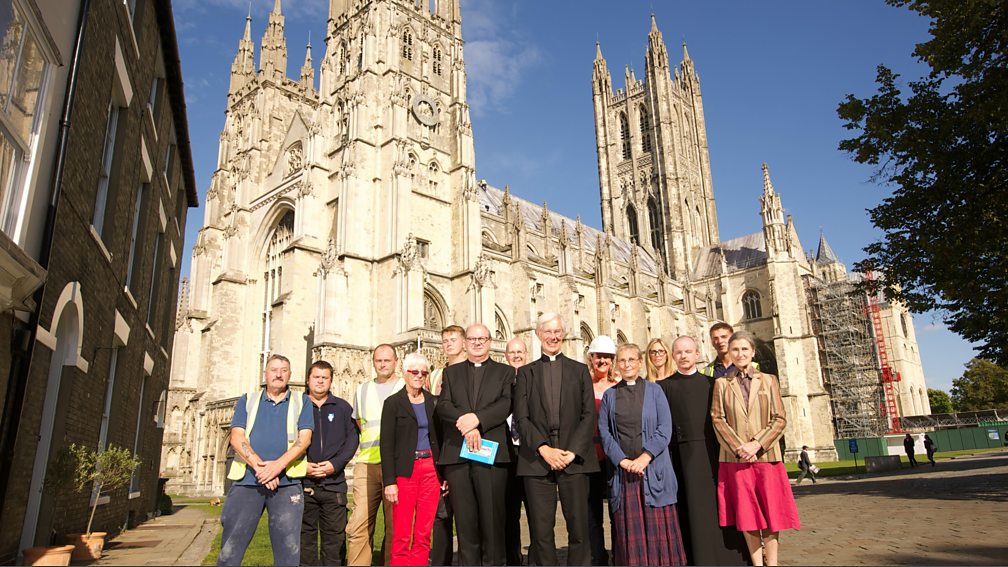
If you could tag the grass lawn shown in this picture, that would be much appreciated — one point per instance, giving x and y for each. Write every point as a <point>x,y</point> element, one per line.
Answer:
<point>846,467</point>
<point>260,552</point>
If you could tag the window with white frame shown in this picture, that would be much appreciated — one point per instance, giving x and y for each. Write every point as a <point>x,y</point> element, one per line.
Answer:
<point>108,158</point>
<point>24,72</point>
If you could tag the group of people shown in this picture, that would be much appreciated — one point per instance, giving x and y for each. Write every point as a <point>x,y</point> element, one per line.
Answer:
<point>688,458</point>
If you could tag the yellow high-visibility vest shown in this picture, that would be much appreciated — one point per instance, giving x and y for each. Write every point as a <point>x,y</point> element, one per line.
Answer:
<point>369,408</point>
<point>297,468</point>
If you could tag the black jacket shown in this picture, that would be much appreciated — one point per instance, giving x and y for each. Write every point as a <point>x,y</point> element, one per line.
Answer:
<point>492,408</point>
<point>577,417</point>
<point>399,435</point>
<point>335,440</point>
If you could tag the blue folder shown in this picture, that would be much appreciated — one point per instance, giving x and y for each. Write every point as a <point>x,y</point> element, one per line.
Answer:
<point>486,454</point>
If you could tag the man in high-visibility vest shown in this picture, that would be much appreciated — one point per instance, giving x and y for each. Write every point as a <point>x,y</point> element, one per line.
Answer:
<point>270,432</point>
<point>368,490</point>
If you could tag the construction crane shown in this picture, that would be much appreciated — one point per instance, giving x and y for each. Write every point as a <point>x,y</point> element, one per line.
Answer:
<point>888,376</point>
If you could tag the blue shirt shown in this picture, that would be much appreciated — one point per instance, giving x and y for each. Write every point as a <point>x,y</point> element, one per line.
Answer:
<point>269,432</point>
<point>423,427</point>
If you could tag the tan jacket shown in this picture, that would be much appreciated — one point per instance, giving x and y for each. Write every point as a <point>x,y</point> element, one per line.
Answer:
<point>735,423</point>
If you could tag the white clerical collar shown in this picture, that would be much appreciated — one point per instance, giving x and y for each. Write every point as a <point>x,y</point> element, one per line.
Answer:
<point>695,370</point>
<point>477,364</point>
<point>630,382</point>
<point>552,357</point>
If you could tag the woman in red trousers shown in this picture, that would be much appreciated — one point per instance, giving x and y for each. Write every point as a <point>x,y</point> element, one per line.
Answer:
<point>409,449</point>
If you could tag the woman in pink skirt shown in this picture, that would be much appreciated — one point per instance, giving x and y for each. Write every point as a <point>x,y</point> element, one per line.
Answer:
<point>754,494</point>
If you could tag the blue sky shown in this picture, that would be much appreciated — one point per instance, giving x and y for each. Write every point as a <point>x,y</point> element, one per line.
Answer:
<point>772,74</point>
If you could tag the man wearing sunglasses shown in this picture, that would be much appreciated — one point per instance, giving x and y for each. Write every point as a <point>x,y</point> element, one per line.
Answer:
<point>474,405</point>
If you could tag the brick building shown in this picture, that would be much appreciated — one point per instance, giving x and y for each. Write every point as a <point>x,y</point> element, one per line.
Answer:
<point>101,195</point>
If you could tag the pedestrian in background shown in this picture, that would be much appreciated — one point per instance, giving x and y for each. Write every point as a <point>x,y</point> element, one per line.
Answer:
<point>930,447</point>
<point>805,466</point>
<point>908,446</point>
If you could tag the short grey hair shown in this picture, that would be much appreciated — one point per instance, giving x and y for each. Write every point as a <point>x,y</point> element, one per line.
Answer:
<point>415,359</point>
<point>546,318</point>
<point>743,336</point>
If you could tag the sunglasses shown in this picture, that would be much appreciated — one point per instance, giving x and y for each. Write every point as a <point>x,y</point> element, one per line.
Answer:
<point>419,372</point>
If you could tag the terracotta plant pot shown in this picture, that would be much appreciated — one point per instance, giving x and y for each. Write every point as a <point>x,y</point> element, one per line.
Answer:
<point>55,555</point>
<point>87,547</point>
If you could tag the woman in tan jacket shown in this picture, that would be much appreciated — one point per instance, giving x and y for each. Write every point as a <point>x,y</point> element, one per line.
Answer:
<point>754,493</point>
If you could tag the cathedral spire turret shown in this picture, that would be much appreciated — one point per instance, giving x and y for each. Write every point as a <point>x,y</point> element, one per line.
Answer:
<point>273,50</point>
<point>307,70</point>
<point>601,79</point>
<point>657,53</point>
<point>774,229</point>
<point>243,66</point>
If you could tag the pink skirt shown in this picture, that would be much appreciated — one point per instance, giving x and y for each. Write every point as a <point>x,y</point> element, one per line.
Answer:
<point>756,496</point>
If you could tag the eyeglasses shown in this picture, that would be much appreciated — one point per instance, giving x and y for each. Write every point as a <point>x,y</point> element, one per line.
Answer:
<point>657,352</point>
<point>478,340</point>
<point>415,372</point>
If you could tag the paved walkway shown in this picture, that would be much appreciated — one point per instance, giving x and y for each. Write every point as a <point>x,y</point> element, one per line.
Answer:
<point>953,514</point>
<point>182,538</point>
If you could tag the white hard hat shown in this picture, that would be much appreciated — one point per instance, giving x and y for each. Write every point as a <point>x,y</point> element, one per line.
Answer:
<point>602,345</point>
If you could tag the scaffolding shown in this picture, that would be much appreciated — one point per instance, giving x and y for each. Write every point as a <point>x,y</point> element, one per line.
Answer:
<point>847,352</point>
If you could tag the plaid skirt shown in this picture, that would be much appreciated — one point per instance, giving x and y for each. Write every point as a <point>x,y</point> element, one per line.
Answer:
<point>645,535</point>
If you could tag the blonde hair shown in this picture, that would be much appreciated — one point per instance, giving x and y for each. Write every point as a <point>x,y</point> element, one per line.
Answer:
<point>652,370</point>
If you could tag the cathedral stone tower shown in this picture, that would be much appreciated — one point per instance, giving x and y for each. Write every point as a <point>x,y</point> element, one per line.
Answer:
<point>654,167</point>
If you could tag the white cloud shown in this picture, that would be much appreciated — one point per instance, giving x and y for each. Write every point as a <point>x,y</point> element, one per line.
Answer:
<point>496,56</point>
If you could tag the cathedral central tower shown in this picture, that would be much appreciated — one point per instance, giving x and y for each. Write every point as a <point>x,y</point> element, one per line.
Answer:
<point>654,167</point>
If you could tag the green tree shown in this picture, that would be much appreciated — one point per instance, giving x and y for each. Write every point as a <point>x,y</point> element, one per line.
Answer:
<point>940,401</point>
<point>940,143</point>
<point>983,386</point>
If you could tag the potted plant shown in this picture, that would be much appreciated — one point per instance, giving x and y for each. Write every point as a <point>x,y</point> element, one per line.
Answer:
<point>89,470</point>
<point>59,476</point>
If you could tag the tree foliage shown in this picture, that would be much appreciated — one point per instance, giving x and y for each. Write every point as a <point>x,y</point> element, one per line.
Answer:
<point>942,146</point>
<point>940,401</point>
<point>983,386</point>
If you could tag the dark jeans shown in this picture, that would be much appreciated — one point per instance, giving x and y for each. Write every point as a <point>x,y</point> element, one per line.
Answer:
<point>240,517</point>
<point>910,457</point>
<point>325,512</point>
<point>805,472</point>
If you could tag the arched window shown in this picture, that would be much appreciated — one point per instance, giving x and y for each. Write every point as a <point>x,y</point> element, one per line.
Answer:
<point>903,322</point>
<point>433,175</point>
<point>625,135</point>
<point>654,220</point>
<point>501,332</point>
<point>631,214</point>
<point>586,334</point>
<point>621,338</point>
<point>751,307</point>
<point>645,129</point>
<point>407,45</point>
<point>344,58</point>
<point>433,312</point>
<point>437,61</point>
<point>273,276</point>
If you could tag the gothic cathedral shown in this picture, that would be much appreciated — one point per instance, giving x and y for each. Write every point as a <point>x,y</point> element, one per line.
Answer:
<point>348,215</point>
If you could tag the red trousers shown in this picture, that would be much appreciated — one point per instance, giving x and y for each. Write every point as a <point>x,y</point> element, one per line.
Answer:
<point>413,516</point>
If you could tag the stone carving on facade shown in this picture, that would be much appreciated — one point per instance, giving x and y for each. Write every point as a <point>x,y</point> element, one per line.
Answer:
<point>304,188</point>
<point>330,259</point>
<point>482,275</point>
<point>409,256</point>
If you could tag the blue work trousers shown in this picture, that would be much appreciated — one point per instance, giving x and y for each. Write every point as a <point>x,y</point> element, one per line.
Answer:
<point>240,517</point>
